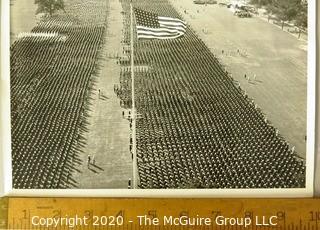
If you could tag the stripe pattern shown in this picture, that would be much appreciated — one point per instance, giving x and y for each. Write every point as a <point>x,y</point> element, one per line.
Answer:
<point>153,26</point>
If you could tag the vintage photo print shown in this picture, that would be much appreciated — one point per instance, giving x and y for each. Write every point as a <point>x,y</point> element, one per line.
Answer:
<point>158,98</point>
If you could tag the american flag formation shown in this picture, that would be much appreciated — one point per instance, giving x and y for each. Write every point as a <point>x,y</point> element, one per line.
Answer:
<point>152,26</point>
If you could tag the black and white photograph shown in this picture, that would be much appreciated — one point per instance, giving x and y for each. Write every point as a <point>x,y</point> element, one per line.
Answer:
<point>156,96</point>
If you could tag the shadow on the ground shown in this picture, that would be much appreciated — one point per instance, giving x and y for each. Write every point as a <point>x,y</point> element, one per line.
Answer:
<point>96,166</point>
<point>92,170</point>
<point>103,97</point>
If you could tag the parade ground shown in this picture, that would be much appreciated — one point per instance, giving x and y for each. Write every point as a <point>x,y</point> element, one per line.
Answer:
<point>268,63</point>
<point>276,57</point>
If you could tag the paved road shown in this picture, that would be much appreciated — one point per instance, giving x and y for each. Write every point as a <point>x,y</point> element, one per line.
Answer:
<point>108,133</point>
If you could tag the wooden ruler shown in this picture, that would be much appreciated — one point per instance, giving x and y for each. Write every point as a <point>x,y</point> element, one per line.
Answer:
<point>156,214</point>
<point>3,213</point>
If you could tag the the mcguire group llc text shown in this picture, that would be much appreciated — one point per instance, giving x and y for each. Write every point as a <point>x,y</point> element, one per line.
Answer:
<point>145,220</point>
<point>198,221</point>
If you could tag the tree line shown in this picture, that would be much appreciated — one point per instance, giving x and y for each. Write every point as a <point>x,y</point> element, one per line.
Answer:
<point>295,11</point>
<point>49,6</point>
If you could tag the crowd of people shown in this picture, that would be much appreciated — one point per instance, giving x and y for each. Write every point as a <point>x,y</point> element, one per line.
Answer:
<point>51,83</point>
<point>198,129</point>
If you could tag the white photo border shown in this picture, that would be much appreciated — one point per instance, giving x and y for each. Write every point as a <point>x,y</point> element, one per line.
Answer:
<point>5,138</point>
<point>317,141</point>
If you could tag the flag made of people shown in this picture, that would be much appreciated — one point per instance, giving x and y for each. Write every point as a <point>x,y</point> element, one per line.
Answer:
<point>153,26</point>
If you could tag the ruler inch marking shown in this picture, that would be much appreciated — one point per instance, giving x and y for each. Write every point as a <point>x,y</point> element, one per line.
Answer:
<point>292,214</point>
<point>4,204</point>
